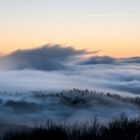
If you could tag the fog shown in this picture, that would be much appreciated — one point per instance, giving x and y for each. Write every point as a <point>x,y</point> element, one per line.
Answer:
<point>122,79</point>
<point>35,108</point>
<point>48,71</point>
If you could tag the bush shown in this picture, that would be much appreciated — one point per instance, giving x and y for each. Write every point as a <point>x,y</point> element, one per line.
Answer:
<point>120,128</point>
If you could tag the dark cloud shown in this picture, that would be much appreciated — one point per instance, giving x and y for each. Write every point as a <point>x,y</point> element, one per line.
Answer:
<point>48,57</point>
<point>109,60</point>
<point>131,60</point>
<point>98,60</point>
<point>56,57</point>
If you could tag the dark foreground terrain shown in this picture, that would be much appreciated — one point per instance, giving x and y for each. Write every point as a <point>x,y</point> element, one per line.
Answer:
<point>121,128</point>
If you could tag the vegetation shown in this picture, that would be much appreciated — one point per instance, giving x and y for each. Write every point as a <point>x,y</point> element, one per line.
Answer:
<point>76,96</point>
<point>121,128</point>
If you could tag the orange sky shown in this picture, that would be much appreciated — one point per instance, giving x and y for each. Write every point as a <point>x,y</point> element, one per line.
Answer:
<point>111,26</point>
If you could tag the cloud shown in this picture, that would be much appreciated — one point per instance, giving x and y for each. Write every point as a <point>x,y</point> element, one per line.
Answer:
<point>66,68</point>
<point>48,57</point>
<point>131,60</point>
<point>98,60</point>
<point>112,15</point>
<point>109,60</point>
<point>120,79</point>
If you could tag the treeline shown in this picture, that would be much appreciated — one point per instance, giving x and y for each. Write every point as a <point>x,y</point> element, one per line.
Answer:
<point>76,96</point>
<point>122,128</point>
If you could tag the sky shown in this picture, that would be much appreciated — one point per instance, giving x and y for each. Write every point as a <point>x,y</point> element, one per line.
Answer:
<point>111,26</point>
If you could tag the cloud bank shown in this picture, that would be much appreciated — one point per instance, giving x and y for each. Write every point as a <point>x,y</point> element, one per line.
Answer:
<point>109,60</point>
<point>47,57</point>
<point>55,67</point>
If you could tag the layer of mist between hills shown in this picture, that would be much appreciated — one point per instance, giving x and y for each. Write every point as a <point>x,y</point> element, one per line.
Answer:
<point>36,108</point>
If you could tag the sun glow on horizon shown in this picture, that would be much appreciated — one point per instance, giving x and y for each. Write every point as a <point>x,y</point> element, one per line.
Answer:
<point>110,26</point>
